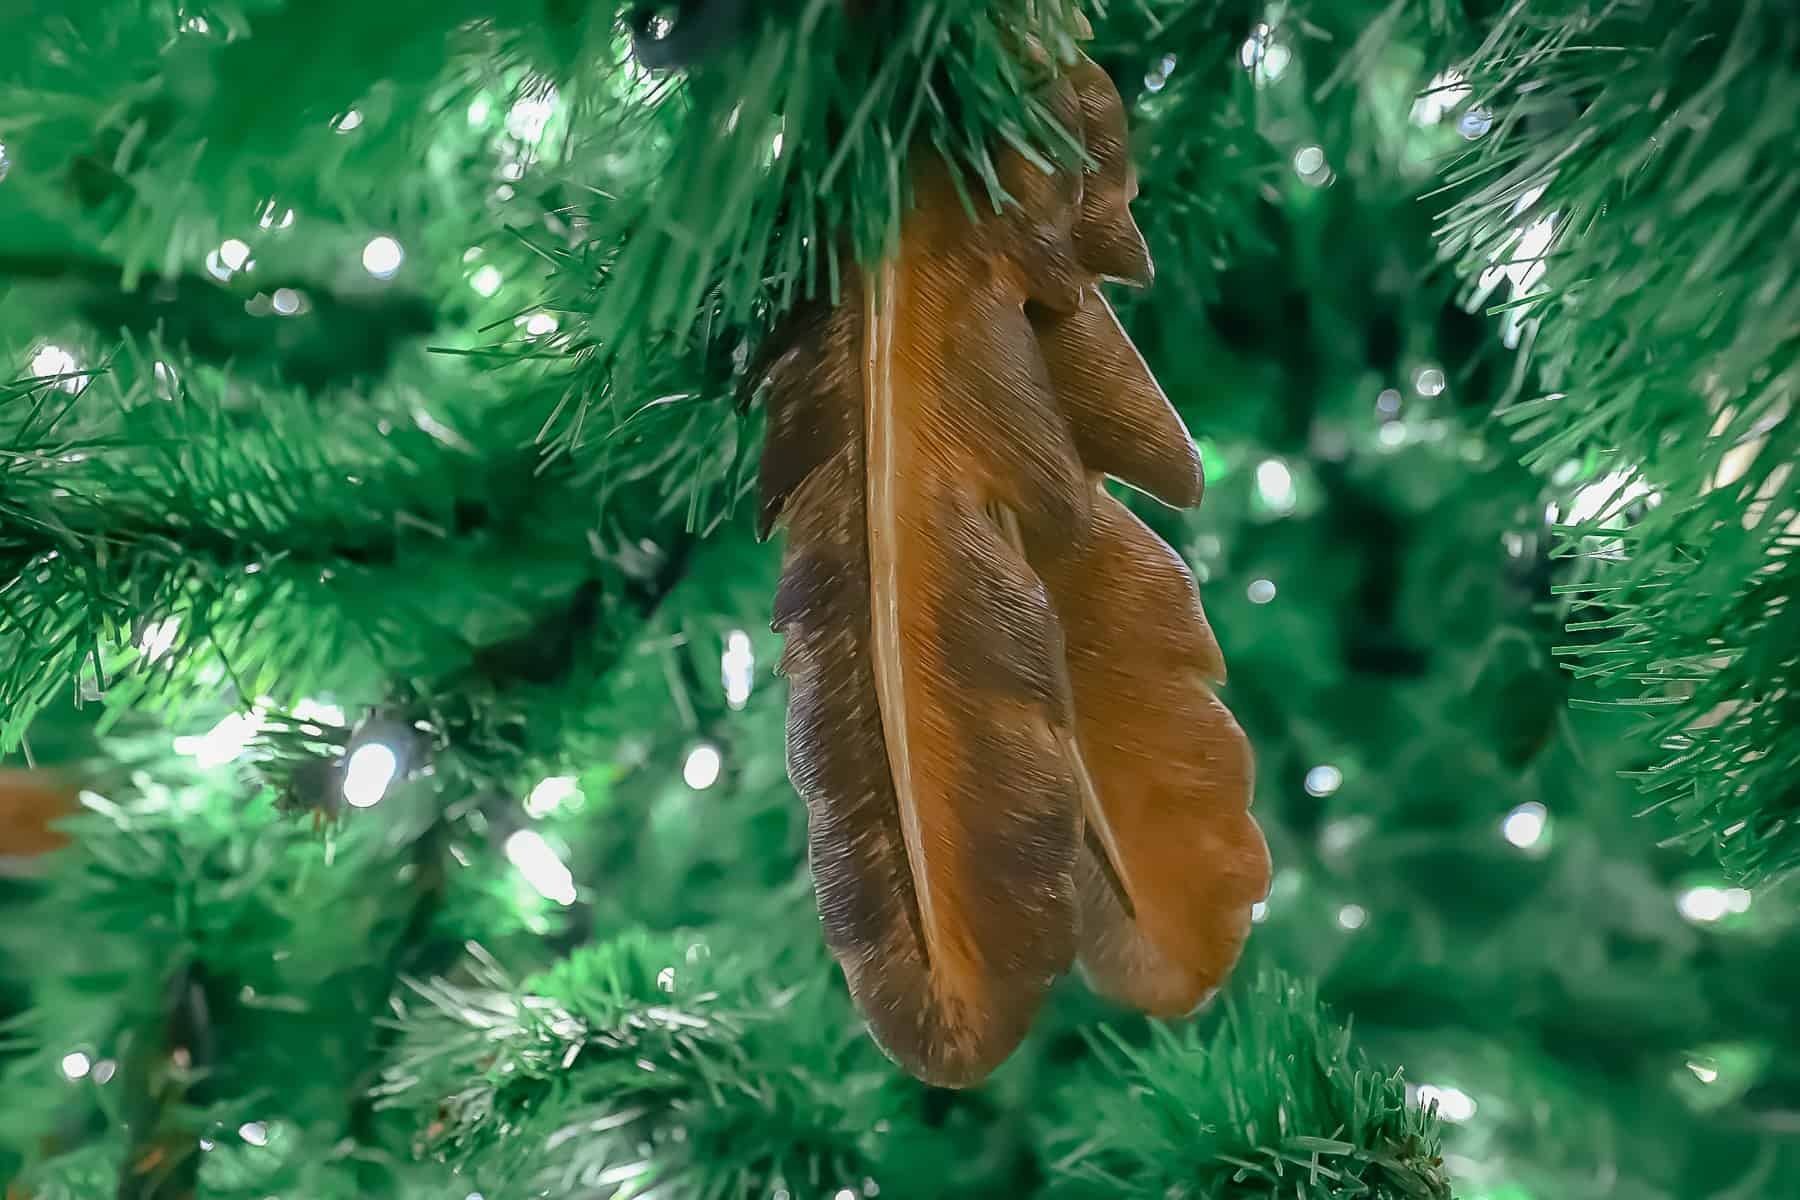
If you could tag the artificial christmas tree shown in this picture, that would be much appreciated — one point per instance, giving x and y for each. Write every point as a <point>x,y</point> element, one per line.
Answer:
<point>378,574</point>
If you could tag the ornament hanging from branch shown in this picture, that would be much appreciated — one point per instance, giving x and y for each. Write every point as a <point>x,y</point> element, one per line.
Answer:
<point>1002,717</point>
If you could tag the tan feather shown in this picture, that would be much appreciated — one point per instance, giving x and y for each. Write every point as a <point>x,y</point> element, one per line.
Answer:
<point>1174,862</point>
<point>935,441</point>
<point>929,705</point>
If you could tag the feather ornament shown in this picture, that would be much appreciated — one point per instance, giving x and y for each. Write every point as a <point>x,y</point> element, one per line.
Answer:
<point>1001,716</point>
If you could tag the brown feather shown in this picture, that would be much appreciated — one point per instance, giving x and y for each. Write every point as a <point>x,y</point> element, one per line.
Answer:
<point>934,454</point>
<point>929,707</point>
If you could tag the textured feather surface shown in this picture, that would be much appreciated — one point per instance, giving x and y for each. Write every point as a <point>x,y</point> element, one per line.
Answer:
<point>935,442</point>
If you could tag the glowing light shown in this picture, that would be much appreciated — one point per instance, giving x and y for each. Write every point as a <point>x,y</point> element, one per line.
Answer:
<point>1703,1072</point>
<point>1474,123</point>
<point>382,257</point>
<point>1708,904</point>
<point>775,145</point>
<point>540,324</point>
<point>1392,435</point>
<point>480,109</point>
<point>549,794</point>
<point>158,638</point>
<point>1275,483</point>
<point>1259,912</point>
<point>104,1070</point>
<point>665,979</point>
<point>308,709</point>
<point>287,301</point>
<point>843,1194</point>
<point>254,1132</point>
<point>530,115</point>
<point>1388,402</point>
<point>487,280</point>
<point>1607,496</point>
<point>76,1065</point>
<point>1309,164</point>
<point>52,361</point>
<point>701,770</point>
<point>371,769</point>
<point>223,743</point>
<point>1353,916</point>
<point>234,253</point>
<point>1260,591</point>
<point>1453,1104</point>
<point>737,668</point>
<point>274,217</point>
<point>349,121</point>
<point>1323,780</point>
<point>1447,90</point>
<point>1429,382</point>
<point>1524,825</point>
<point>540,866</point>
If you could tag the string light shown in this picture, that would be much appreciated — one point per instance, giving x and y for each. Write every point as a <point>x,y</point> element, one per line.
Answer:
<point>1353,916</point>
<point>382,257</point>
<point>539,324</point>
<point>158,638</point>
<point>1704,905</point>
<point>1429,381</point>
<point>1703,1072</point>
<point>665,980</point>
<point>287,301</point>
<point>351,120</point>
<point>702,768</point>
<point>527,119</point>
<point>737,668</point>
<point>51,361</point>
<point>76,1065</point>
<point>1387,404</point>
<point>368,774</point>
<point>1453,1104</point>
<point>1309,164</point>
<point>1259,912</point>
<point>549,795</point>
<point>254,1132</point>
<point>486,280</point>
<point>1275,484</point>
<point>1524,825</point>
<point>542,869</point>
<point>224,742</point>
<point>1323,780</point>
<point>1608,496</point>
<point>1446,91</point>
<point>1260,591</point>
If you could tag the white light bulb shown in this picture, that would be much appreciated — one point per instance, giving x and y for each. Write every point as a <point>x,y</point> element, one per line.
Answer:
<point>224,742</point>
<point>1737,899</point>
<point>1275,483</point>
<point>1704,904</point>
<point>286,301</point>
<point>1353,916</point>
<point>254,1132</point>
<point>540,324</point>
<point>529,116</point>
<point>549,794</point>
<point>1453,1104</point>
<point>1429,381</point>
<point>1323,780</point>
<point>1446,91</point>
<point>51,361</point>
<point>234,253</point>
<point>382,257</point>
<point>349,121</point>
<point>701,770</point>
<point>486,280</point>
<point>158,638</point>
<point>1703,1072</point>
<point>76,1065</point>
<point>1260,591</point>
<point>368,773</point>
<point>1309,163</point>
<point>541,867</point>
<point>1259,912</point>
<point>737,668</point>
<point>1524,825</point>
